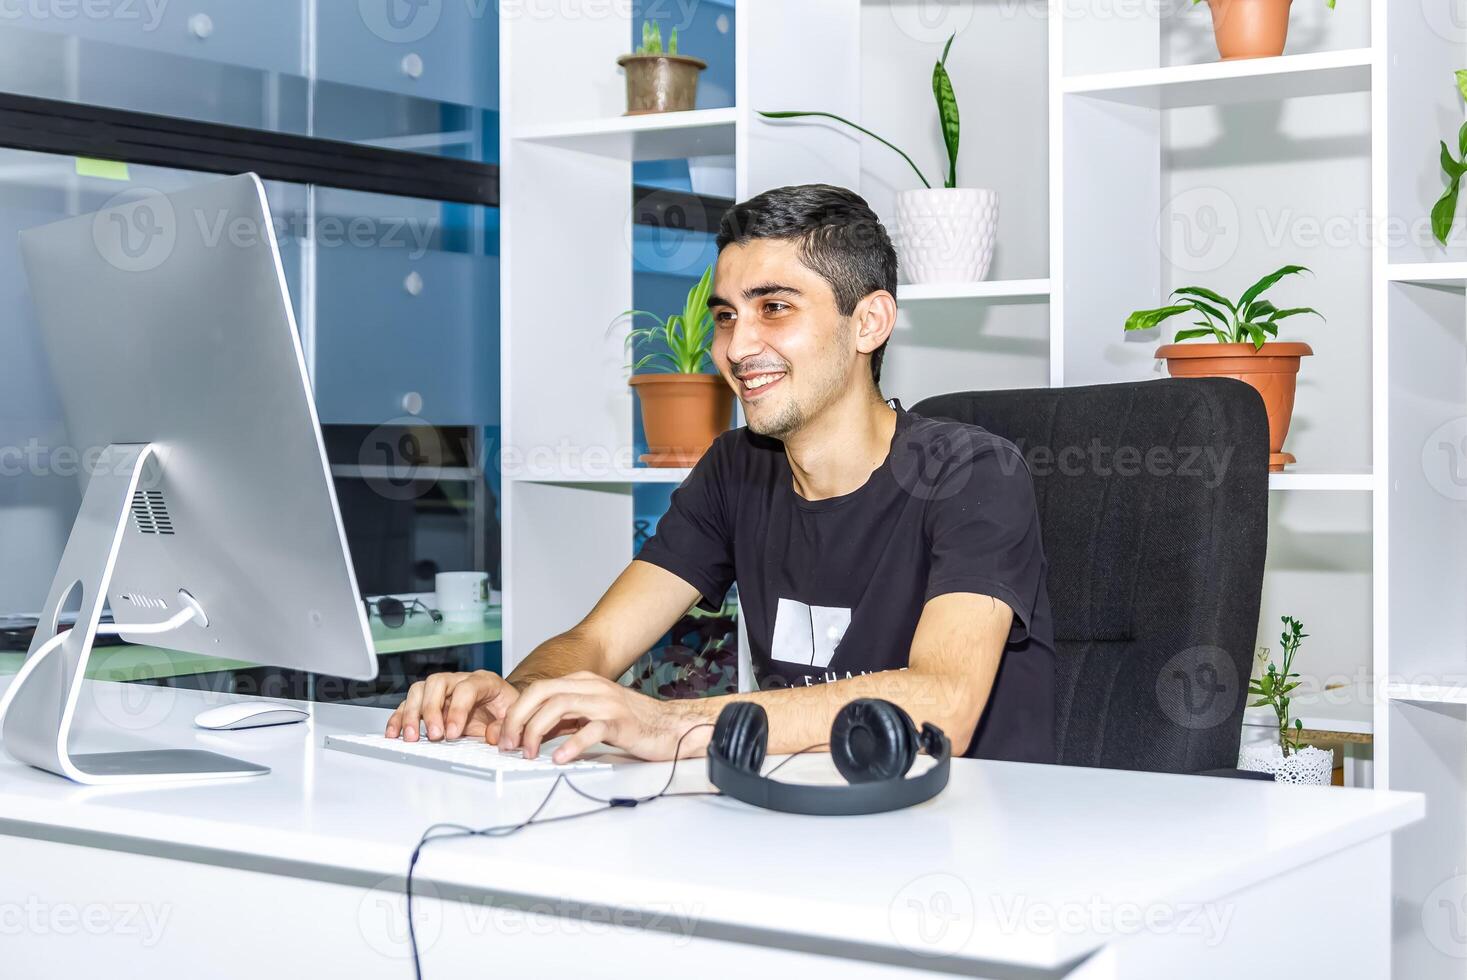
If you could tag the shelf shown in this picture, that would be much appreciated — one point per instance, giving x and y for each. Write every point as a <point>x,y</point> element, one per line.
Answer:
<point>1304,480</point>
<point>1426,693</point>
<point>641,474</point>
<point>659,136</point>
<point>1224,82</point>
<point>992,289</point>
<point>1452,274</point>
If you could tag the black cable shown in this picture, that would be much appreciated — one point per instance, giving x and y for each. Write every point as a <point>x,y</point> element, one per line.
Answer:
<point>504,830</point>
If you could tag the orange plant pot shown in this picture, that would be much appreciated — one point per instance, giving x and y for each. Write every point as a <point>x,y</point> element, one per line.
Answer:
<point>1250,28</point>
<point>1272,369</point>
<point>682,415</point>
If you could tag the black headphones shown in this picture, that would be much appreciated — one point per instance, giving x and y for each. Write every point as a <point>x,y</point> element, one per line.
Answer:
<point>872,743</point>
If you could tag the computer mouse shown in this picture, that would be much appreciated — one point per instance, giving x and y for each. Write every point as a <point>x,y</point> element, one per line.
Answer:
<point>249,714</point>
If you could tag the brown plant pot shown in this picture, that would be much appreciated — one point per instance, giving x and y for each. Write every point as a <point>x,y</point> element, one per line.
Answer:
<point>1250,28</point>
<point>682,415</point>
<point>1271,369</point>
<point>661,82</point>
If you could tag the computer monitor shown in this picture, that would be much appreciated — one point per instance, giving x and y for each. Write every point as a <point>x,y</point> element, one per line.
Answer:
<point>206,487</point>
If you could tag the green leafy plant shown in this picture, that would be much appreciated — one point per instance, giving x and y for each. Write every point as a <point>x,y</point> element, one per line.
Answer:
<point>1444,213</point>
<point>947,114</point>
<point>1250,320</point>
<point>686,336</point>
<point>1273,687</point>
<point>652,39</point>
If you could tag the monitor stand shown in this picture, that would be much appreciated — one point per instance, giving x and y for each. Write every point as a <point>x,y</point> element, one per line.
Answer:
<point>37,725</point>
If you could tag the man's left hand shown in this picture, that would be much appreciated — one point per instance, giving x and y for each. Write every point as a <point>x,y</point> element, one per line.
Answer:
<point>605,711</point>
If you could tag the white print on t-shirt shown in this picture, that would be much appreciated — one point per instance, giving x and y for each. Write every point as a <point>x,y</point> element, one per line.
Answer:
<point>831,676</point>
<point>805,634</point>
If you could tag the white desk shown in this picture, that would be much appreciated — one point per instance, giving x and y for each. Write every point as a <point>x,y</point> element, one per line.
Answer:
<point>1015,871</point>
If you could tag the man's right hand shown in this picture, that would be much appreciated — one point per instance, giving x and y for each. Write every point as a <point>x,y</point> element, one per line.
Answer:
<point>454,705</point>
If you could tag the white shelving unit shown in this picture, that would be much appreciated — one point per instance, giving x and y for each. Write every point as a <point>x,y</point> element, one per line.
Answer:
<point>1228,82</point>
<point>1128,162</point>
<point>703,132</point>
<point>566,153</point>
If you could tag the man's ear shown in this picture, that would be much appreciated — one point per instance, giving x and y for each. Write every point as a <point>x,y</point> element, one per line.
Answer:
<point>874,318</point>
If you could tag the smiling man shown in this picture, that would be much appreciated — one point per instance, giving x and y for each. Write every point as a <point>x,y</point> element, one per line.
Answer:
<point>877,553</point>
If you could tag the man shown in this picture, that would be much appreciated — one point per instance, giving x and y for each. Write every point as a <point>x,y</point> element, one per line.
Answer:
<point>877,553</point>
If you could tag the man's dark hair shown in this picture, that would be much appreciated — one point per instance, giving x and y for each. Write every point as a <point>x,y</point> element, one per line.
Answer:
<point>839,236</point>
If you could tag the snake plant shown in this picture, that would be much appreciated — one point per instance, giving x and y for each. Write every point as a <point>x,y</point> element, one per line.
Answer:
<point>947,114</point>
<point>687,336</point>
<point>1251,320</point>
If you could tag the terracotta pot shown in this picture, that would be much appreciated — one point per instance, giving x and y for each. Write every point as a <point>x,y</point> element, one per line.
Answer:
<point>682,415</point>
<point>1250,28</point>
<point>1272,369</point>
<point>661,82</point>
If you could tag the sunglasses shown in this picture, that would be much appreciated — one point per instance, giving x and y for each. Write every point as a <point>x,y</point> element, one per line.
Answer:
<point>393,612</point>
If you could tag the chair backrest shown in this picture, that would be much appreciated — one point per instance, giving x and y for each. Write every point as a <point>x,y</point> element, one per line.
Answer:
<point>1153,501</point>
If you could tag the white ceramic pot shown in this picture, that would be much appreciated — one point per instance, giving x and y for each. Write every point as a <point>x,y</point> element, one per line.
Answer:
<point>1309,766</point>
<point>945,234</point>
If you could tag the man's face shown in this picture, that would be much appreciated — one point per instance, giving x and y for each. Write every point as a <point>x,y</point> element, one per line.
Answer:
<point>778,338</point>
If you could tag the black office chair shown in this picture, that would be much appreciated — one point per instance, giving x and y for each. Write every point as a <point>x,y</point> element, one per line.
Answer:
<point>1153,499</point>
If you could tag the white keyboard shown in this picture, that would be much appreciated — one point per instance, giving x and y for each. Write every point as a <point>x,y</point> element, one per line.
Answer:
<point>470,756</point>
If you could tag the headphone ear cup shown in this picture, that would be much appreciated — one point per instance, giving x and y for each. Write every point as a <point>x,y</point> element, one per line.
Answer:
<point>872,740</point>
<point>741,735</point>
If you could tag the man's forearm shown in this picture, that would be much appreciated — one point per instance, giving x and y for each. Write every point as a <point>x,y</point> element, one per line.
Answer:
<point>558,656</point>
<point>800,717</point>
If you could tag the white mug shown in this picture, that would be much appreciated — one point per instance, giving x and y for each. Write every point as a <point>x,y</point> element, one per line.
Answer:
<point>462,597</point>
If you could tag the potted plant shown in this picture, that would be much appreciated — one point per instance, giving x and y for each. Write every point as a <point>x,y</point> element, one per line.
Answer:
<point>1286,757</point>
<point>943,234</point>
<point>1243,350</point>
<point>683,409</point>
<point>1251,28</point>
<point>657,80</point>
<point>1444,213</point>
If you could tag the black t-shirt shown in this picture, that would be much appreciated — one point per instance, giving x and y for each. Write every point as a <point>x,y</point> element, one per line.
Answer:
<point>834,588</point>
